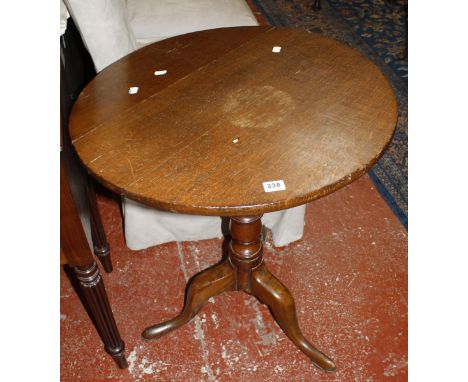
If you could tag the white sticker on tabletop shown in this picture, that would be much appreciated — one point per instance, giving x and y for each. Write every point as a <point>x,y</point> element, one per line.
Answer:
<point>160,72</point>
<point>133,90</point>
<point>274,185</point>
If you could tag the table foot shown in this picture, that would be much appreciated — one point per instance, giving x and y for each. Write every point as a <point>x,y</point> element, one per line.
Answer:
<point>201,287</point>
<point>95,298</point>
<point>269,290</point>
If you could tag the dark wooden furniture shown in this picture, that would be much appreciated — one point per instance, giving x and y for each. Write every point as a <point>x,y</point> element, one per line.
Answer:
<point>228,115</point>
<point>76,70</point>
<point>75,251</point>
<point>78,198</point>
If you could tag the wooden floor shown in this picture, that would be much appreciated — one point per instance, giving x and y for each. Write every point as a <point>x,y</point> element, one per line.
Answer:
<point>351,296</point>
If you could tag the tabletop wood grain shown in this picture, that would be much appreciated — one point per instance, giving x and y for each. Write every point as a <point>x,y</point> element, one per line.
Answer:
<point>230,114</point>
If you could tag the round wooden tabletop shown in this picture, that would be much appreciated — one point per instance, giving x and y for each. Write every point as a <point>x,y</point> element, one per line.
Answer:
<point>231,114</point>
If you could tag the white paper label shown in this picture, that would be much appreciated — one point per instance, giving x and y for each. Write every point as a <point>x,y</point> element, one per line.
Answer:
<point>133,90</point>
<point>274,185</point>
<point>276,49</point>
<point>160,72</point>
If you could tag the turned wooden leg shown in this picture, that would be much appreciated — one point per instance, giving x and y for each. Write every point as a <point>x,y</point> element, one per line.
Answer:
<point>252,276</point>
<point>101,246</point>
<point>204,285</point>
<point>95,297</point>
<point>245,249</point>
<point>268,289</point>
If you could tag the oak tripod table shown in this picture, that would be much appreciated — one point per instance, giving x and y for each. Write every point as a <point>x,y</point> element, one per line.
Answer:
<point>235,122</point>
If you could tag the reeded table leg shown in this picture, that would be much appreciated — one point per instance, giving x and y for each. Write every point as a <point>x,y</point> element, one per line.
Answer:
<point>95,297</point>
<point>244,270</point>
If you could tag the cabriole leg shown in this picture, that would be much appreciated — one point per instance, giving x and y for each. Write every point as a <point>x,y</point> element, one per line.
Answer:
<point>202,287</point>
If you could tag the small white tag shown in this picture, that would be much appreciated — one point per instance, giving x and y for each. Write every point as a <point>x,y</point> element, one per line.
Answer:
<point>133,90</point>
<point>276,49</point>
<point>274,185</point>
<point>160,72</point>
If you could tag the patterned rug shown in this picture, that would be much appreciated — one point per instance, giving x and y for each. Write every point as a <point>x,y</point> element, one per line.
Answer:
<point>378,29</point>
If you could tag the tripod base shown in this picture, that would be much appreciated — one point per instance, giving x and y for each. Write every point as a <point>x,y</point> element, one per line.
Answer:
<point>244,270</point>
